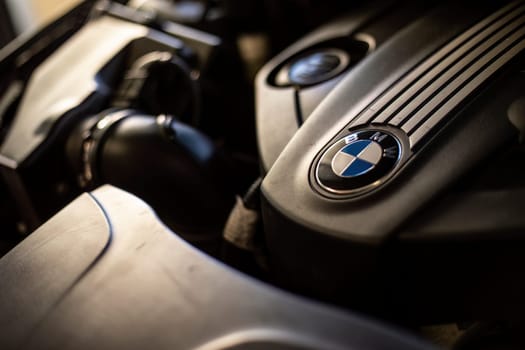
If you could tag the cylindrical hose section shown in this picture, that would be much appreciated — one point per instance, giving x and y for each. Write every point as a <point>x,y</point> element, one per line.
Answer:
<point>172,166</point>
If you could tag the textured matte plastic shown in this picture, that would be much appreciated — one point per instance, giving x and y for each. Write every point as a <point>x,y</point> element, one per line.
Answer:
<point>106,274</point>
<point>58,90</point>
<point>335,248</point>
<point>276,107</point>
<point>47,98</point>
<point>287,185</point>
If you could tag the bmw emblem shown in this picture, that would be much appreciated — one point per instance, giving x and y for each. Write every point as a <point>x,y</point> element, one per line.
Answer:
<point>358,162</point>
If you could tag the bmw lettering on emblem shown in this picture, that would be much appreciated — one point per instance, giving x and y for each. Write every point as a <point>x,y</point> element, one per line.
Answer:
<point>358,162</point>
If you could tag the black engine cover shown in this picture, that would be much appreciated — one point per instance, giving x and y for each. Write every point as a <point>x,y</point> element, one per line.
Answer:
<point>448,87</point>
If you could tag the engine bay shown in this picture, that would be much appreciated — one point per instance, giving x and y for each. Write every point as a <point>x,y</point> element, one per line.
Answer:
<point>366,156</point>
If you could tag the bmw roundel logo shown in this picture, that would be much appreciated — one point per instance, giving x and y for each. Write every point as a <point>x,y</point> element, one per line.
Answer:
<point>358,161</point>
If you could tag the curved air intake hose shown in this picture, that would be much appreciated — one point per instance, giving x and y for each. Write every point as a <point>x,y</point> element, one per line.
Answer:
<point>172,166</point>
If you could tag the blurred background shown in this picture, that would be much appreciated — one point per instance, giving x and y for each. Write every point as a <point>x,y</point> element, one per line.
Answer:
<point>22,16</point>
